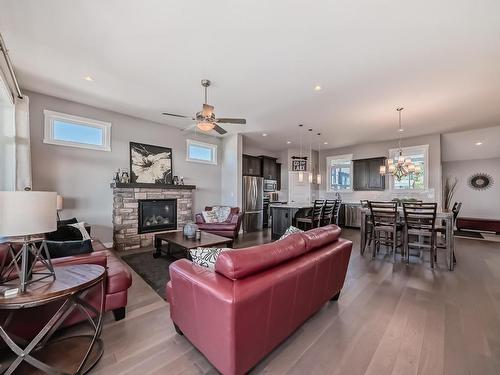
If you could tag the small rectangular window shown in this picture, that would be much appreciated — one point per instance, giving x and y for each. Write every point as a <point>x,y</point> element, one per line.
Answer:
<point>201,152</point>
<point>74,131</point>
<point>339,173</point>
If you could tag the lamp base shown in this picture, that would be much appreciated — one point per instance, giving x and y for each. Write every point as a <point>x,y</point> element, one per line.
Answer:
<point>21,268</point>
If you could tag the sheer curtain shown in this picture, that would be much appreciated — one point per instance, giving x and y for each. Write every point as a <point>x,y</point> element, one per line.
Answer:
<point>15,155</point>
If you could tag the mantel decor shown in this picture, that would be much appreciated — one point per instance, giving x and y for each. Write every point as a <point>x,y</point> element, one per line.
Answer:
<point>150,164</point>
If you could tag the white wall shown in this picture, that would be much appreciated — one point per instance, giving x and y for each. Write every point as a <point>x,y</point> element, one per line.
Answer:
<point>379,149</point>
<point>231,171</point>
<point>479,204</point>
<point>82,176</point>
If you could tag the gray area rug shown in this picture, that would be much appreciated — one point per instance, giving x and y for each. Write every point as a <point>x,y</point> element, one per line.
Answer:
<point>153,271</point>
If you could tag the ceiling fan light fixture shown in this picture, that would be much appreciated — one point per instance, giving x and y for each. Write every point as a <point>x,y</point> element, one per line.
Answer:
<point>205,126</point>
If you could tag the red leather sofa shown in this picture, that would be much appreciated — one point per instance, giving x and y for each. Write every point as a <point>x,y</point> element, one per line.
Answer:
<point>118,279</point>
<point>230,228</point>
<point>257,296</point>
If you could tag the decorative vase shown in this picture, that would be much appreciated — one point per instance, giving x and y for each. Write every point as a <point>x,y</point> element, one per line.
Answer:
<point>190,229</point>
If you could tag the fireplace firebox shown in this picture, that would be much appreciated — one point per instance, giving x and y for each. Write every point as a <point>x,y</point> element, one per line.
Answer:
<point>157,215</point>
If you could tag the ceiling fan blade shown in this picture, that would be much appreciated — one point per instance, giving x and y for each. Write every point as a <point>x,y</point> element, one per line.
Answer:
<point>189,127</point>
<point>173,114</point>
<point>232,120</point>
<point>207,110</point>
<point>219,130</point>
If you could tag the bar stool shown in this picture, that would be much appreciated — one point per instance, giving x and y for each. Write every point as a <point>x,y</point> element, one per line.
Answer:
<point>314,219</point>
<point>369,233</point>
<point>328,212</point>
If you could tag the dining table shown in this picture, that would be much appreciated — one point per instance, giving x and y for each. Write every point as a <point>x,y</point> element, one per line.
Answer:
<point>446,217</point>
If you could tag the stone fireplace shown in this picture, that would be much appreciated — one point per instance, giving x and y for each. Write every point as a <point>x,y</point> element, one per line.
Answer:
<point>142,210</point>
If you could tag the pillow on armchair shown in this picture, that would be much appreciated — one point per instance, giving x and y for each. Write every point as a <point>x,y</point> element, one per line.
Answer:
<point>210,217</point>
<point>222,213</point>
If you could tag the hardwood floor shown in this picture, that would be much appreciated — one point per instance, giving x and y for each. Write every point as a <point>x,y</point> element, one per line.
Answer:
<point>390,319</point>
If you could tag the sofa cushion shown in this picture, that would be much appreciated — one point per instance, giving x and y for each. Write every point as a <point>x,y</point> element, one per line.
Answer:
<point>206,256</point>
<point>210,217</point>
<point>59,249</point>
<point>237,264</point>
<point>65,233</point>
<point>319,237</point>
<point>290,230</point>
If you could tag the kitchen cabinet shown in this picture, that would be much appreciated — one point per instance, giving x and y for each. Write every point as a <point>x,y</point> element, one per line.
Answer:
<point>366,175</point>
<point>278,176</point>
<point>252,166</point>
<point>269,167</point>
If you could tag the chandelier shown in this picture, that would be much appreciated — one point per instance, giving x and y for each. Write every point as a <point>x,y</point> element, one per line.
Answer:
<point>400,166</point>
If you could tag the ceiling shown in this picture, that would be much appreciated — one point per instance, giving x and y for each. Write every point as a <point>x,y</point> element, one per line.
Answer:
<point>471,144</point>
<point>438,59</point>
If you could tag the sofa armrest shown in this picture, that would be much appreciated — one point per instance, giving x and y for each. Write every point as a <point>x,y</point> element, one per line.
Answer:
<point>199,219</point>
<point>202,298</point>
<point>99,258</point>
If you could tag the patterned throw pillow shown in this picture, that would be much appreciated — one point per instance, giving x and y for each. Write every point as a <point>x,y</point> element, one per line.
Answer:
<point>81,228</point>
<point>210,217</point>
<point>206,256</point>
<point>290,230</point>
<point>222,212</point>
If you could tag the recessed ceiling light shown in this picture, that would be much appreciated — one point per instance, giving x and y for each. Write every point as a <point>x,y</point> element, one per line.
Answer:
<point>325,143</point>
<point>318,88</point>
<point>264,134</point>
<point>288,142</point>
<point>479,143</point>
<point>88,78</point>
<point>401,130</point>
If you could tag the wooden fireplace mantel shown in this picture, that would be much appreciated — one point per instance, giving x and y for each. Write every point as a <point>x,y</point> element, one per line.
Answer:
<point>119,185</point>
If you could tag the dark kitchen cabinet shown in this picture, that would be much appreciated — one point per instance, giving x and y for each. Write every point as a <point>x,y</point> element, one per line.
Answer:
<point>252,166</point>
<point>269,167</point>
<point>278,176</point>
<point>366,175</point>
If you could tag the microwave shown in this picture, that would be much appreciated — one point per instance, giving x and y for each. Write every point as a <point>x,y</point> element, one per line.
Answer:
<point>270,185</point>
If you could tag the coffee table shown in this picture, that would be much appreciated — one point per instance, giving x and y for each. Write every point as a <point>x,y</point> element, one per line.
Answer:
<point>178,239</point>
<point>66,355</point>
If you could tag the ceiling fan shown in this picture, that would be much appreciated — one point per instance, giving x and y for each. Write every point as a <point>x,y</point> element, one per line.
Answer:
<point>205,119</point>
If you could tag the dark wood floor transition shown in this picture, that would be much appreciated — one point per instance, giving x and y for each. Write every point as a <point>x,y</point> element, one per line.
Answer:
<point>390,319</point>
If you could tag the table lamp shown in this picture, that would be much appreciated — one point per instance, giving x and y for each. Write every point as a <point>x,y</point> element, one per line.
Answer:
<point>23,214</point>
<point>60,202</point>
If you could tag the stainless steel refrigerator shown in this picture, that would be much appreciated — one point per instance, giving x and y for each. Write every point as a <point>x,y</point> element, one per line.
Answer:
<point>253,207</point>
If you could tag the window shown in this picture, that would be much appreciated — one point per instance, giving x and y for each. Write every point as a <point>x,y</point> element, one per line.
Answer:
<point>419,156</point>
<point>74,131</point>
<point>201,152</point>
<point>339,172</point>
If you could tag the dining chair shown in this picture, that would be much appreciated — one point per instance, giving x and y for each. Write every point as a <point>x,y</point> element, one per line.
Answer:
<point>369,233</point>
<point>314,219</point>
<point>442,229</point>
<point>420,222</point>
<point>327,216</point>
<point>385,220</point>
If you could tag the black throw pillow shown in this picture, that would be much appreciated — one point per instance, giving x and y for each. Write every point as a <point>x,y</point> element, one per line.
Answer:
<point>65,233</point>
<point>59,249</point>
<point>61,223</point>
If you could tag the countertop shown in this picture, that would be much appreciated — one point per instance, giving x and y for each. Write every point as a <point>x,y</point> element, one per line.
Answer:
<point>291,206</point>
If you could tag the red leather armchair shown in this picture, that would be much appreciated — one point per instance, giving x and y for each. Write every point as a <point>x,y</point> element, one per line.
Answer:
<point>118,280</point>
<point>257,296</point>
<point>230,228</point>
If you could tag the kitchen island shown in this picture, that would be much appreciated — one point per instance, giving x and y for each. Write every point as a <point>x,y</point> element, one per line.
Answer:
<point>284,215</point>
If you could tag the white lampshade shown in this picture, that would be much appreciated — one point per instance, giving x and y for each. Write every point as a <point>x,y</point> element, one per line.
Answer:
<point>60,202</point>
<point>24,213</point>
<point>382,169</point>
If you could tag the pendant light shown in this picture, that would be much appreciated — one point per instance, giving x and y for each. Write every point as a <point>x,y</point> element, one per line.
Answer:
<point>318,176</point>
<point>310,157</point>
<point>400,166</point>
<point>301,173</point>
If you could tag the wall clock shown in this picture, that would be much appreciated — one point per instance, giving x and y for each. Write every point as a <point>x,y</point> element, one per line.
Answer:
<point>480,181</point>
